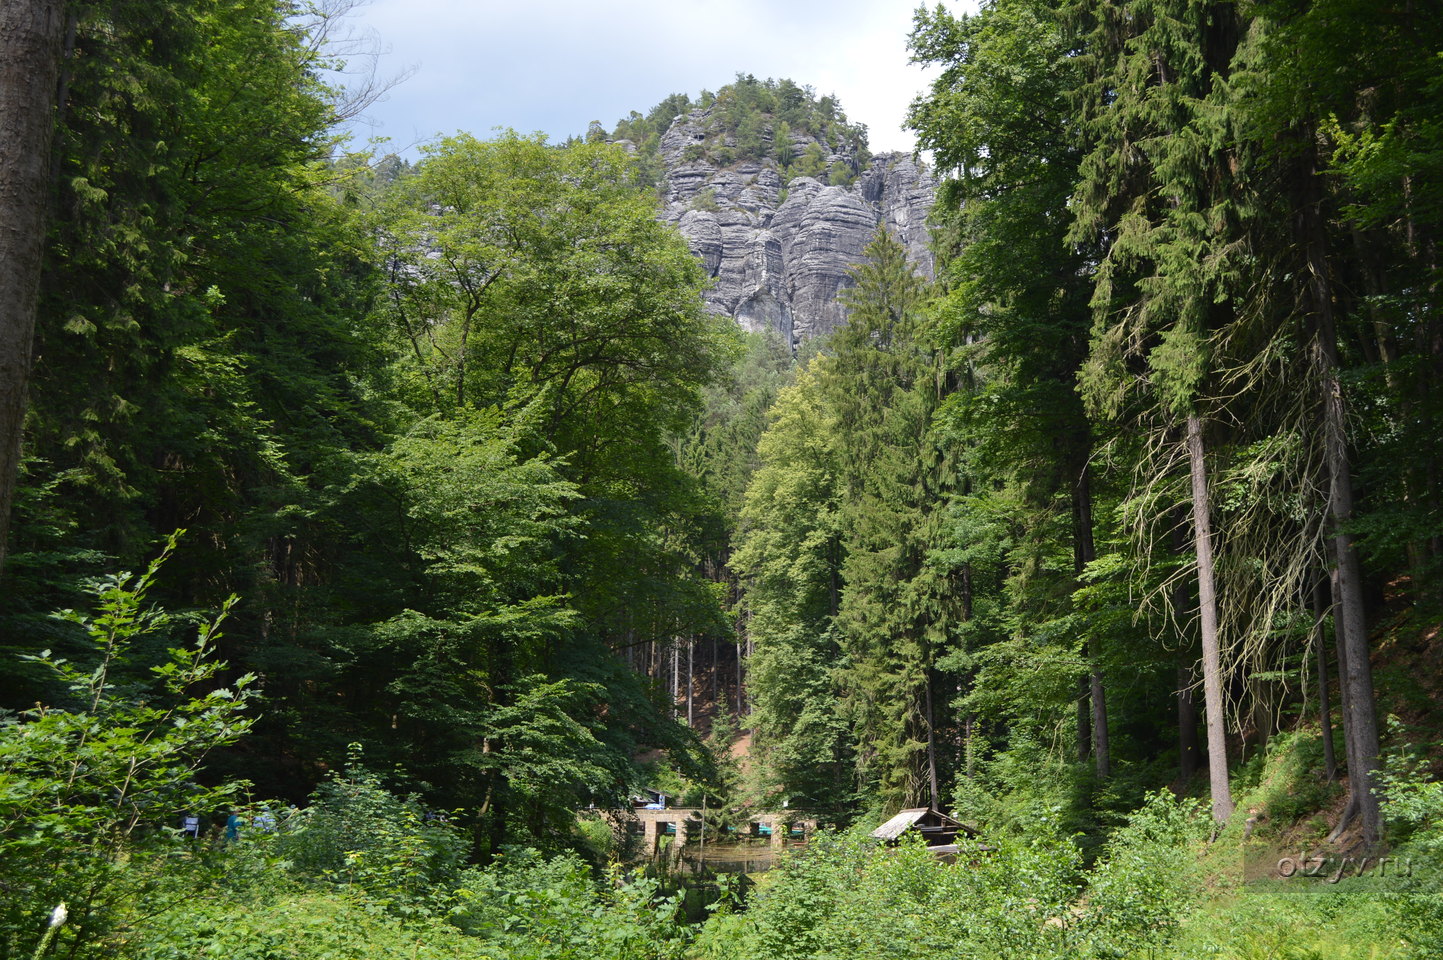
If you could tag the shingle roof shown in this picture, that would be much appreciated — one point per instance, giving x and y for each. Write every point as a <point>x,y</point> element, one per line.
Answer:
<point>915,817</point>
<point>899,824</point>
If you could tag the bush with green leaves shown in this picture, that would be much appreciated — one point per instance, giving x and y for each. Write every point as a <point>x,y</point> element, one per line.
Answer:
<point>528,907</point>
<point>1414,807</point>
<point>93,789</point>
<point>358,833</point>
<point>1148,877</point>
<point>849,897</point>
<point>297,926</point>
<point>1023,784</point>
<point>1024,897</point>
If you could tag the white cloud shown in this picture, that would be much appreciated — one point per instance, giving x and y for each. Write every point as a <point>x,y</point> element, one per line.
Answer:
<point>555,65</point>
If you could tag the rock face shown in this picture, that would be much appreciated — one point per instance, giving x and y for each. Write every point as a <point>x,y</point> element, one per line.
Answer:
<point>778,253</point>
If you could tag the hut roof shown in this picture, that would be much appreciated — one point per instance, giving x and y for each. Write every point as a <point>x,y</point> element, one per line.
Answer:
<point>918,818</point>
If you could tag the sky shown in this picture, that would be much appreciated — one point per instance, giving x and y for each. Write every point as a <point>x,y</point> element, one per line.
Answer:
<point>556,65</point>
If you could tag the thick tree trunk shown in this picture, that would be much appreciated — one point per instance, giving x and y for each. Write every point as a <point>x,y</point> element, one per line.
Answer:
<point>1260,693</point>
<point>1102,752</point>
<point>1356,675</point>
<point>30,39</point>
<point>1208,623</point>
<point>1350,621</point>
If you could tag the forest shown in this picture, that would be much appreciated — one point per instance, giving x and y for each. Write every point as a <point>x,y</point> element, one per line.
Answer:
<point>367,524</point>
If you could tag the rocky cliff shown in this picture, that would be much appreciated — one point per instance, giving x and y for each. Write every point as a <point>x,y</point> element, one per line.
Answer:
<point>778,246</point>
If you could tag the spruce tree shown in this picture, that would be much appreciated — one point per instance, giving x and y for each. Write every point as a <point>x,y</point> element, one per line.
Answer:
<point>1154,186</point>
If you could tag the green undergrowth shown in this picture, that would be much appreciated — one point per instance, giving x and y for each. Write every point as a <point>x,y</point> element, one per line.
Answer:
<point>1018,897</point>
<point>364,871</point>
<point>297,925</point>
<point>1269,924</point>
<point>1330,907</point>
<point>1160,888</point>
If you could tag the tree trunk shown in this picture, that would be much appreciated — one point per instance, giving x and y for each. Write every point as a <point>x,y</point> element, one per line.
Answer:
<point>1351,621</point>
<point>1356,675</point>
<point>967,745</point>
<point>740,702</point>
<point>1350,749</point>
<point>1188,750</point>
<point>1260,693</point>
<point>1084,682</point>
<point>751,649</point>
<point>934,793</point>
<point>1208,622</point>
<point>1084,718</point>
<point>30,39</point>
<point>1084,551</point>
<point>1102,753</point>
<point>1187,745</point>
<point>675,676</point>
<point>1325,711</point>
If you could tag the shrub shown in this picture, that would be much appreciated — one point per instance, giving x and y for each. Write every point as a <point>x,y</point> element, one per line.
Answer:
<point>359,833</point>
<point>599,839</point>
<point>1148,877</point>
<point>90,794</point>
<point>848,897</point>
<point>705,200</point>
<point>299,926</point>
<point>532,908</point>
<point>1414,806</point>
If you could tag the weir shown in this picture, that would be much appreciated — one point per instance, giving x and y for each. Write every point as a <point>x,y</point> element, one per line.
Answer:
<point>687,823</point>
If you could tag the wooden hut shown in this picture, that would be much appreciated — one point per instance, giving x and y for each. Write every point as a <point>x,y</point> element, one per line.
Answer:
<point>937,830</point>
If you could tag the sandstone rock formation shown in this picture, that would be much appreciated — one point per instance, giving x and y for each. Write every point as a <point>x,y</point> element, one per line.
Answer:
<point>778,253</point>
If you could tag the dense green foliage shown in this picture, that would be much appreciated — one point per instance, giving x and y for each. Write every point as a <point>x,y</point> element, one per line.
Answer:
<point>92,788</point>
<point>362,871</point>
<point>847,898</point>
<point>1134,420</point>
<point>485,500</point>
<point>420,416</point>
